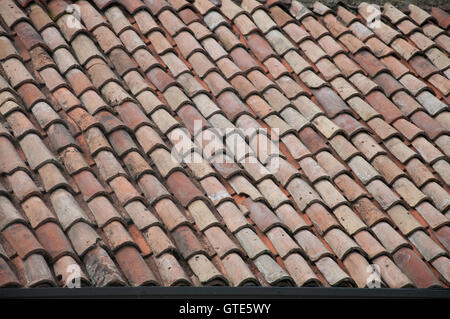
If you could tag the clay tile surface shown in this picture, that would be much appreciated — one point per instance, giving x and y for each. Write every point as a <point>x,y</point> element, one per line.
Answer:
<point>223,143</point>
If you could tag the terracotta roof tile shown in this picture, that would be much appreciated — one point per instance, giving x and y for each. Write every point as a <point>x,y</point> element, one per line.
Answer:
<point>392,274</point>
<point>206,272</point>
<point>117,235</point>
<point>357,268</point>
<point>361,31</point>
<point>221,243</point>
<point>16,72</point>
<point>13,14</point>
<point>406,222</point>
<point>334,275</point>
<point>352,191</point>
<point>54,241</point>
<point>441,265</point>
<point>171,272</point>
<point>351,126</point>
<point>322,220</point>
<point>37,212</point>
<point>441,234</point>
<point>312,246</point>
<point>134,267</point>
<point>346,65</point>
<point>272,272</point>
<point>105,273</point>
<point>52,178</point>
<point>349,220</point>
<point>438,195</point>
<point>390,171</point>
<point>441,16</point>
<point>187,243</point>
<point>441,167</point>
<point>22,185</point>
<point>369,212</point>
<point>158,241</point>
<point>238,272</point>
<point>20,125</point>
<point>28,35</point>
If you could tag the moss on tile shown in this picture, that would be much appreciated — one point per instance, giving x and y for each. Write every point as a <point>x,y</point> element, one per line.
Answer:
<point>401,4</point>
